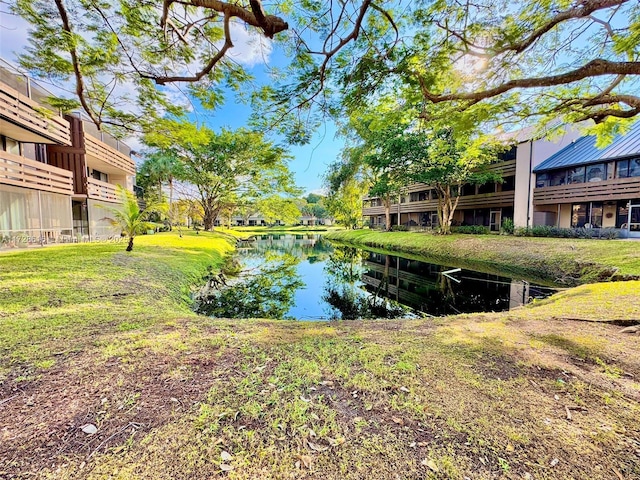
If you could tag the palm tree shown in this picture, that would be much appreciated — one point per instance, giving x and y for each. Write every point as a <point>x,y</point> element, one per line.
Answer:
<point>128,217</point>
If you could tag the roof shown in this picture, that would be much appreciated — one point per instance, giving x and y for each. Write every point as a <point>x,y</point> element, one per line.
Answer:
<point>583,151</point>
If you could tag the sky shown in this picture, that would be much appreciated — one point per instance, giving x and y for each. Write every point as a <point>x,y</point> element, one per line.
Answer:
<point>309,162</point>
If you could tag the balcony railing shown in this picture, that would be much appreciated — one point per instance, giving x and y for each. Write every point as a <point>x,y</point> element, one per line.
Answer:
<point>486,200</point>
<point>108,154</point>
<point>616,189</point>
<point>98,190</point>
<point>22,172</point>
<point>30,115</point>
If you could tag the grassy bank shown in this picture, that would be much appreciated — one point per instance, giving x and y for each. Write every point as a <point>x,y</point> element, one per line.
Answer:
<point>91,335</point>
<point>569,261</point>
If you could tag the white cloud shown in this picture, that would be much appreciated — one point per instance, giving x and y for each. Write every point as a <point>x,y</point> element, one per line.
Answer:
<point>249,47</point>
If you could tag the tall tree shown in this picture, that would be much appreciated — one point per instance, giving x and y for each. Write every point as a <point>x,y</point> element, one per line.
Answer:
<point>576,59</point>
<point>446,160</point>
<point>275,207</point>
<point>105,48</point>
<point>218,168</point>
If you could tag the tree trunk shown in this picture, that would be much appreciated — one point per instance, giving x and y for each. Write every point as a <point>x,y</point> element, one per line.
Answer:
<point>130,245</point>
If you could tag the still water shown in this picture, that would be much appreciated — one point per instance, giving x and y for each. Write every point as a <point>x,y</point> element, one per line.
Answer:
<point>306,277</point>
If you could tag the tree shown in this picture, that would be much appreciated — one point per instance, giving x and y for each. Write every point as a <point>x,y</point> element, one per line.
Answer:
<point>531,60</point>
<point>104,48</point>
<point>219,168</point>
<point>156,170</point>
<point>128,217</point>
<point>348,181</point>
<point>446,160</point>
<point>275,207</point>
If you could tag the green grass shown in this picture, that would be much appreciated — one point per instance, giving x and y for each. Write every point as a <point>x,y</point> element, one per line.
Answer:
<point>49,296</point>
<point>570,261</point>
<point>90,334</point>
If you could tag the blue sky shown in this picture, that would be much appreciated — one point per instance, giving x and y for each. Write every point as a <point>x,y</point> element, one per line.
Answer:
<point>310,161</point>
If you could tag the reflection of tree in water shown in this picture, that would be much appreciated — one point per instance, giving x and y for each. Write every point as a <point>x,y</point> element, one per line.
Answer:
<point>311,247</point>
<point>344,271</point>
<point>265,292</point>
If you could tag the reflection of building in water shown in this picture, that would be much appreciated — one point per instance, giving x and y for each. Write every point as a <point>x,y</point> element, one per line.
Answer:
<point>422,286</point>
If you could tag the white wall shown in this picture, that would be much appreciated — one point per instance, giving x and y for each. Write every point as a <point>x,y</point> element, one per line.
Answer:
<point>529,155</point>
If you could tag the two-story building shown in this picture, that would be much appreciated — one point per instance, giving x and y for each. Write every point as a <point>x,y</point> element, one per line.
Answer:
<point>585,186</point>
<point>55,170</point>
<point>487,204</point>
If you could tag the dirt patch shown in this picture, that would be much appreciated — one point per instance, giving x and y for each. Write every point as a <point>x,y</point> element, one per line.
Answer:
<point>41,420</point>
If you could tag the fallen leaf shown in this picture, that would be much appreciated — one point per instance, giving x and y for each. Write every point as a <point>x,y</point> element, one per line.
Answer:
<point>510,448</point>
<point>357,419</point>
<point>306,460</point>
<point>554,462</point>
<point>397,420</point>
<point>317,447</point>
<point>335,442</point>
<point>430,464</point>
<point>89,429</point>
<point>305,399</point>
<point>312,433</point>
<point>404,389</point>
<point>225,467</point>
<point>225,456</point>
<point>327,383</point>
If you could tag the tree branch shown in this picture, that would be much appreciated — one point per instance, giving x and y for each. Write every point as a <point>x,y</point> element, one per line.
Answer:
<point>80,89</point>
<point>594,68</point>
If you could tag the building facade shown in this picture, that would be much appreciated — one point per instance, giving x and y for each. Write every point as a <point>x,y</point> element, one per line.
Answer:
<point>54,171</point>
<point>584,186</point>
<point>486,205</point>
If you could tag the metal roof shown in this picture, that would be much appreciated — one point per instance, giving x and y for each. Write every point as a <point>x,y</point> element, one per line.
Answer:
<point>583,151</point>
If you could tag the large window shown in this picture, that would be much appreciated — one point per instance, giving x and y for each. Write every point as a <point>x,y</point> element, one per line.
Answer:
<point>509,183</point>
<point>596,172</point>
<point>579,215</point>
<point>542,180</point>
<point>628,168</point>
<point>576,175</point>
<point>587,214</point>
<point>559,177</point>
<point>487,188</point>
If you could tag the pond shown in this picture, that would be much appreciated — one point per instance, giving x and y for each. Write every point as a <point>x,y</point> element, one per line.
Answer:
<point>306,277</point>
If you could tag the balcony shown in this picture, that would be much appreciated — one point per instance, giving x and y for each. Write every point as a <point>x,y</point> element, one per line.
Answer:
<point>97,190</point>
<point>107,154</point>
<point>22,172</point>
<point>486,200</point>
<point>26,120</point>
<point>616,189</point>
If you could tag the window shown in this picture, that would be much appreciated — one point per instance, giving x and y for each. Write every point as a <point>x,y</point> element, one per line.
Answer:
<point>99,176</point>
<point>579,215</point>
<point>622,169</point>
<point>414,197</point>
<point>424,195</point>
<point>628,168</point>
<point>576,175</point>
<point>542,180</point>
<point>454,190</point>
<point>559,177</point>
<point>595,219</point>
<point>509,183</point>
<point>468,189</point>
<point>486,188</point>
<point>597,172</point>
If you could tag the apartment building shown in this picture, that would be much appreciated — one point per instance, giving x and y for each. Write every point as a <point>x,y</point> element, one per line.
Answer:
<point>54,170</point>
<point>487,204</point>
<point>584,186</point>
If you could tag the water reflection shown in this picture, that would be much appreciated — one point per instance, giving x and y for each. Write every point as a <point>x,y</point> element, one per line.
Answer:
<point>306,277</point>
<point>262,291</point>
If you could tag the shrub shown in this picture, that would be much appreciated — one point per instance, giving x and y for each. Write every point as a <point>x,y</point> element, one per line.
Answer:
<point>471,229</point>
<point>507,226</point>
<point>399,228</point>
<point>557,232</point>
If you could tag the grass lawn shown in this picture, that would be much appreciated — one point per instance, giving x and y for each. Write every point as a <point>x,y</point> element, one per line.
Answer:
<point>568,261</point>
<point>92,335</point>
